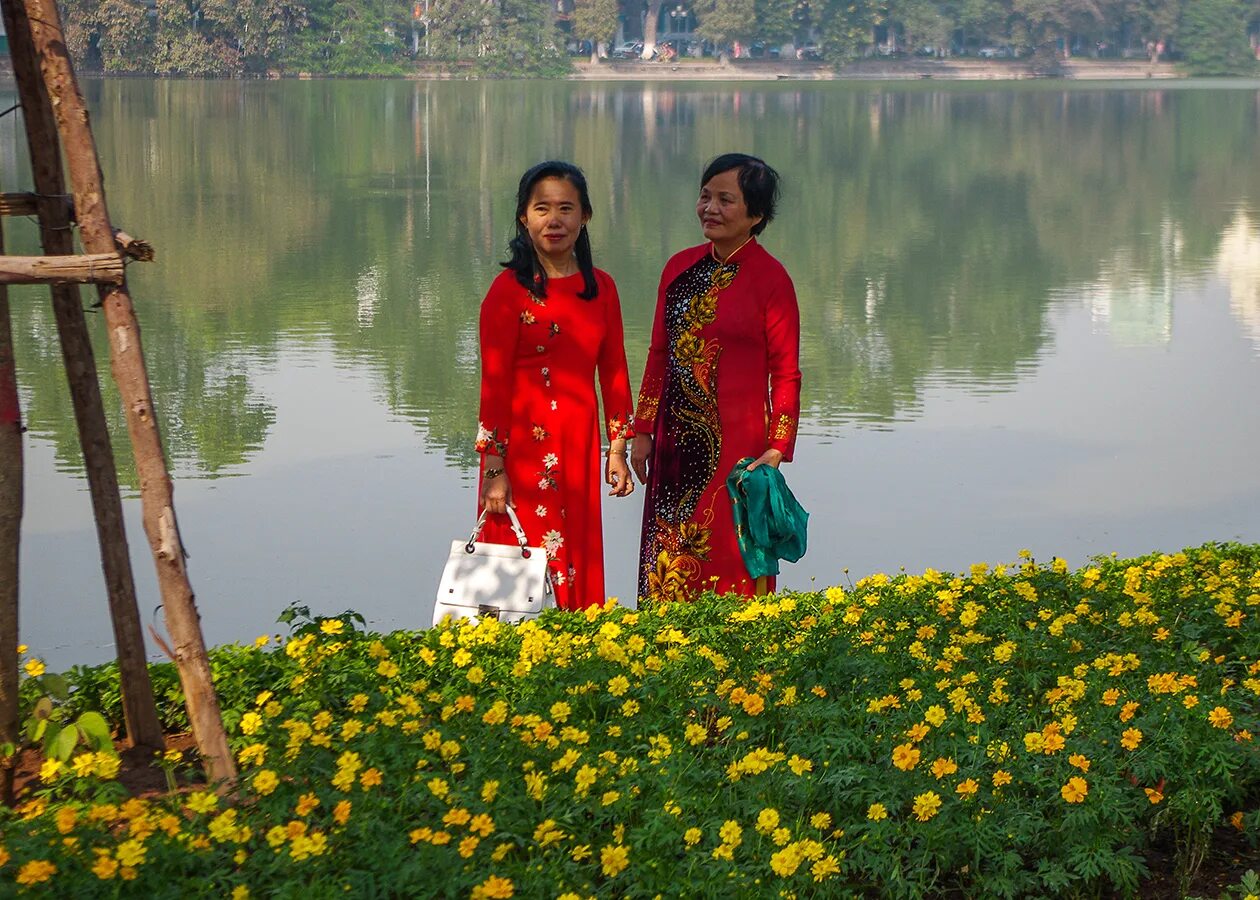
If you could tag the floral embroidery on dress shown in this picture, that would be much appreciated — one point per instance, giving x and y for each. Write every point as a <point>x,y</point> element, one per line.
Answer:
<point>540,433</point>
<point>552,542</point>
<point>649,403</point>
<point>621,427</point>
<point>541,511</point>
<point>784,428</point>
<point>527,317</point>
<point>488,441</point>
<point>547,478</point>
<point>554,330</point>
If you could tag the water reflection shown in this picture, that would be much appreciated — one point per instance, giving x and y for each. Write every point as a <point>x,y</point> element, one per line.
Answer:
<point>958,253</point>
<point>928,230</point>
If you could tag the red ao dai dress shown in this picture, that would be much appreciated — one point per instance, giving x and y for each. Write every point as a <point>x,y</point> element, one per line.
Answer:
<point>722,382</point>
<point>539,358</point>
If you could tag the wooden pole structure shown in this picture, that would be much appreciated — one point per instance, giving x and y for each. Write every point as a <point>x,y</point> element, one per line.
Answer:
<point>10,536</point>
<point>139,708</point>
<point>91,268</point>
<point>127,363</point>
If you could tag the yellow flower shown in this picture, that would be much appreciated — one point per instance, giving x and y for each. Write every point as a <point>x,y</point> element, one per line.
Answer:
<point>942,767</point>
<point>494,888</point>
<point>691,837</point>
<point>1079,761</point>
<point>1220,717</point>
<point>1075,789</point>
<point>926,805</point>
<point>1001,777</point>
<point>1153,795</point>
<point>786,861</point>
<point>613,859</point>
<point>618,685</point>
<point>105,868</point>
<point>387,668</point>
<point>266,781</point>
<point>935,715</point>
<point>370,778</point>
<point>800,765</point>
<point>731,833</point>
<point>1127,711</point>
<point>202,801</point>
<point>341,812</point>
<point>251,722</point>
<point>767,820</point>
<point>50,770</point>
<point>37,871</point>
<point>306,803</point>
<point>1110,697</point>
<point>240,892</point>
<point>967,788</point>
<point>824,868</point>
<point>905,756</point>
<point>1131,738</point>
<point>131,853</point>
<point>34,668</point>
<point>876,812</point>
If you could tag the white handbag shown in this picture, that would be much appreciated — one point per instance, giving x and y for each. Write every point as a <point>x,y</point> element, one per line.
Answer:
<point>508,583</point>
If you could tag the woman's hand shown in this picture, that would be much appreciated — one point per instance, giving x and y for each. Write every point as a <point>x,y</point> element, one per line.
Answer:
<point>639,454</point>
<point>771,457</point>
<point>617,473</point>
<point>496,491</point>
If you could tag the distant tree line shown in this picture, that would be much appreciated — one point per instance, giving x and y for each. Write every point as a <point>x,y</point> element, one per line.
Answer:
<point>534,37</point>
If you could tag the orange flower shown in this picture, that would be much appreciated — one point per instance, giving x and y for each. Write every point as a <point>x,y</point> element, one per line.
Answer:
<point>1131,738</point>
<point>905,756</point>
<point>1075,789</point>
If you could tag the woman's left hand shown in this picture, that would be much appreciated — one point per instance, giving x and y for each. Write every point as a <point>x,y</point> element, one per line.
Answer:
<point>771,457</point>
<point>617,473</point>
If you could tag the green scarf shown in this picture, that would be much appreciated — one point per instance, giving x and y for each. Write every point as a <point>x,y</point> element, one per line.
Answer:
<point>769,523</point>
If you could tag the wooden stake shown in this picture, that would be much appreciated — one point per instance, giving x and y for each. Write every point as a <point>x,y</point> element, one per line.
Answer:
<point>139,707</point>
<point>18,205</point>
<point>127,362</point>
<point>10,536</point>
<point>92,268</point>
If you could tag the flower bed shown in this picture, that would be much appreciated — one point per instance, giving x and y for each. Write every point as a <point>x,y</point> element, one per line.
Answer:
<point>1008,732</point>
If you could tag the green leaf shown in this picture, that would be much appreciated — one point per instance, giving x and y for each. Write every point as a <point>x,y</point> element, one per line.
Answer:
<point>65,743</point>
<point>95,729</point>
<point>56,686</point>
<point>43,708</point>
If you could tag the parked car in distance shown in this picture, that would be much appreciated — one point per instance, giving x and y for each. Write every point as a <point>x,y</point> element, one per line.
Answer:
<point>809,51</point>
<point>628,50</point>
<point>996,53</point>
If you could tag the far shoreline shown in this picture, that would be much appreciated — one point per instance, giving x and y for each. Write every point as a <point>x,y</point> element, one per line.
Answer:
<point>952,69</point>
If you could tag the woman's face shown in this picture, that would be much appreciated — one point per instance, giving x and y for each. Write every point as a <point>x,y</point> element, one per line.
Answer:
<point>722,210</point>
<point>554,218</point>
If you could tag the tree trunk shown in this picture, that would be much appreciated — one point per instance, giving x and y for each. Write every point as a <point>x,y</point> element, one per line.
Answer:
<point>650,27</point>
<point>10,537</point>
<point>127,363</point>
<point>139,708</point>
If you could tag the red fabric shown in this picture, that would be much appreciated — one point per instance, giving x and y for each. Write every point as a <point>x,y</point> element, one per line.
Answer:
<point>539,358</point>
<point>722,382</point>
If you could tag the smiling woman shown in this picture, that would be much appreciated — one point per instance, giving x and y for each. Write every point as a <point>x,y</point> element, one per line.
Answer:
<point>722,383</point>
<point>548,324</point>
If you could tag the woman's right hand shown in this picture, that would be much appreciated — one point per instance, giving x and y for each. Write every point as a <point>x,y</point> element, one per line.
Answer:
<point>496,492</point>
<point>640,451</point>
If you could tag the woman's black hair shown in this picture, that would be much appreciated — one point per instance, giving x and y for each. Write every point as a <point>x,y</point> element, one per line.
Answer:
<point>524,261</point>
<point>759,183</point>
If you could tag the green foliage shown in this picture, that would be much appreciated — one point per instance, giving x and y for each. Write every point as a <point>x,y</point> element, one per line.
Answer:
<point>1213,38</point>
<point>595,20</point>
<point>1015,731</point>
<point>726,21</point>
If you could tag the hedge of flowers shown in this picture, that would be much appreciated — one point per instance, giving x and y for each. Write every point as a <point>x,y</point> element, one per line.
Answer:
<point>1011,731</point>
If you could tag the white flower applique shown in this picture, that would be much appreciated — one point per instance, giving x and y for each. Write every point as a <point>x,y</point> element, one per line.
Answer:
<point>541,511</point>
<point>552,542</point>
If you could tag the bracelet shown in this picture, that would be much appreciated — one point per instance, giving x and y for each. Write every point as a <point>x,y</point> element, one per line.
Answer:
<point>491,473</point>
<point>612,452</point>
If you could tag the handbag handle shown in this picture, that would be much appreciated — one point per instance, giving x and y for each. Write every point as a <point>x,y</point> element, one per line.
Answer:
<point>516,529</point>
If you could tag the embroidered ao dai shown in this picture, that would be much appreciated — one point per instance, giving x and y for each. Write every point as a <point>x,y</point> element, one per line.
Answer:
<point>539,357</point>
<point>722,382</point>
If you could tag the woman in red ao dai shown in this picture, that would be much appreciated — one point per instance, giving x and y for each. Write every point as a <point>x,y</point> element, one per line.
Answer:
<point>722,382</point>
<point>550,323</point>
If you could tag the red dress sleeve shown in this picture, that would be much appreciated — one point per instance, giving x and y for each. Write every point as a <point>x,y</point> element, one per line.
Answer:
<point>614,378</point>
<point>653,383</point>
<point>783,339</point>
<point>500,326</point>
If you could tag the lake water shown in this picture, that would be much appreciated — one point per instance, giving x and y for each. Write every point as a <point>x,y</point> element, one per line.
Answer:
<point>1031,318</point>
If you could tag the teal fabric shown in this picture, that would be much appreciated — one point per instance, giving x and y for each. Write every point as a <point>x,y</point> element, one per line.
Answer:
<point>769,523</point>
